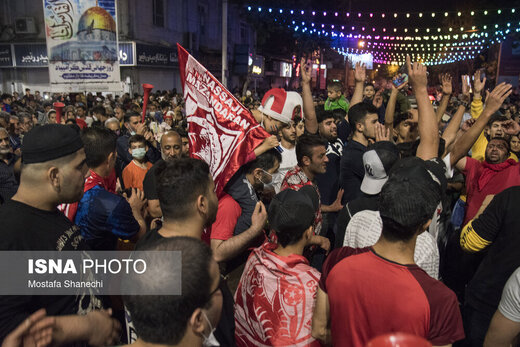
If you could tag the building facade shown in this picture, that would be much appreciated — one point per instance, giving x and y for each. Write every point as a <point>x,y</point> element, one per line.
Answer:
<point>148,32</point>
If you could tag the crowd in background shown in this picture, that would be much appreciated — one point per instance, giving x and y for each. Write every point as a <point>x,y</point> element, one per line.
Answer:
<point>370,210</point>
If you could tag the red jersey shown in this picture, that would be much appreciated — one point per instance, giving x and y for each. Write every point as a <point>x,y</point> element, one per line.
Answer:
<point>483,179</point>
<point>370,296</point>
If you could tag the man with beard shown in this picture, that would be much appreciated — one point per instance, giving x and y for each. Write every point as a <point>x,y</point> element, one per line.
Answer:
<point>53,172</point>
<point>171,148</point>
<point>8,182</point>
<point>328,182</point>
<point>288,143</point>
<point>312,160</point>
<point>14,133</point>
<point>188,202</point>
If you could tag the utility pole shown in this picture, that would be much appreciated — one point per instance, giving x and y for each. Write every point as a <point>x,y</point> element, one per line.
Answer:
<point>224,42</point>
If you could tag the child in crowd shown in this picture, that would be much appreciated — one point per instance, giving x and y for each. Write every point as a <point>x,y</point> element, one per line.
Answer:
<point>133,174</point>
<point>336,99</point>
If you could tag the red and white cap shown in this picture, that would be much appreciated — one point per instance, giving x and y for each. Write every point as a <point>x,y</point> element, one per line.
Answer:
<point>281,105</point>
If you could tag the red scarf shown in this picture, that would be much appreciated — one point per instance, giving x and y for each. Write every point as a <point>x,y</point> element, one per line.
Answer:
<point>108,183</point>
<point>490,170</point>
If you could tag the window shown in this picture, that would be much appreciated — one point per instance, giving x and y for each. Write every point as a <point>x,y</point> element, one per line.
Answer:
<point>158,13</point>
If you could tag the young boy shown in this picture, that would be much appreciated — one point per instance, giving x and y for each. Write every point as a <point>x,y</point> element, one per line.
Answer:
<point>336,99</point>
<point>134,172</point>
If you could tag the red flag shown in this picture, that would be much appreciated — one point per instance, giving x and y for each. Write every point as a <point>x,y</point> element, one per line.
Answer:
<point>222,132</point>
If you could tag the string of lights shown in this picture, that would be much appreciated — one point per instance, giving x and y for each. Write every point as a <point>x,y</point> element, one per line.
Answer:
<point>440,39</point>
<point>373,15</point>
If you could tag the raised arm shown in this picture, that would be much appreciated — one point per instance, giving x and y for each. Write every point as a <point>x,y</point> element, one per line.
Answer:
<point>390,106</point>
<point>450,133</point>
<point>428,128</point>
<point>446,93</point>
<point>360,76</point>
<point>311,123</point>
<point>493,102</point>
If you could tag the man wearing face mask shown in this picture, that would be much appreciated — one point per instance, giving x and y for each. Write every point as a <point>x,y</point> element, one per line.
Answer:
<point>134,173</point>
<point>189,204</point>
<point>188,319</point>
<point>252,178</point>
<point>171,149</point>
<point>132,126</point>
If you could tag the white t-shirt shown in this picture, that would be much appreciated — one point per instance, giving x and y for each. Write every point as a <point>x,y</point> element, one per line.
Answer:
<point>364,230</point>
<point>288,163</point>
<point>510,302</point>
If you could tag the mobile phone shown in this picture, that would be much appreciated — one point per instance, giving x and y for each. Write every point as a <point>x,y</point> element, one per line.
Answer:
<point>466,81</point>
<point>400,79</point>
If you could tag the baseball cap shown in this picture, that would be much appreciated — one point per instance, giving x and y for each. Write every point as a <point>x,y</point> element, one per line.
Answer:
<point>412,191</point>
<point>378,161</point>
<point>49,142</point>
<point>280,105</point>
<point>292,210</point>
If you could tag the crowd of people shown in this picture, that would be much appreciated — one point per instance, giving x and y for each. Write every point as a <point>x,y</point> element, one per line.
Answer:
<point>364,213</point>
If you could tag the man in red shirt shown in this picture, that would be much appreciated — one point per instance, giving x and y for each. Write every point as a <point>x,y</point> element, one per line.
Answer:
<point>368,292</point>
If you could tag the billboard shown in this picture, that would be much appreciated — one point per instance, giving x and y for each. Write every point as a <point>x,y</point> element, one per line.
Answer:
<point>367,59</point>
<point>82,45</point>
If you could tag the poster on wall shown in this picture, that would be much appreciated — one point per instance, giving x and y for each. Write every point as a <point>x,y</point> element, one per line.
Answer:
<point>82,45</point>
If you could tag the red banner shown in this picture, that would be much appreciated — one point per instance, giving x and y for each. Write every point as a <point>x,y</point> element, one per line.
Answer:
<point>222,132</point>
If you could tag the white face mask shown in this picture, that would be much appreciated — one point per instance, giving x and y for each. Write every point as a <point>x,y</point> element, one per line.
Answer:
<point>210,340</point>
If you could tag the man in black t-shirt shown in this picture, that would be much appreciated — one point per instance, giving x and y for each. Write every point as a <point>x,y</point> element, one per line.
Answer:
<point>495,229</point>
<point>171,148</point>
<point>53,172</point>
<point>363,120</point>
<point>189,205</point>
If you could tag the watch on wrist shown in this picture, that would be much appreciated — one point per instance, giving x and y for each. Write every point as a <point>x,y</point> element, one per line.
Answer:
<point>465,104</point>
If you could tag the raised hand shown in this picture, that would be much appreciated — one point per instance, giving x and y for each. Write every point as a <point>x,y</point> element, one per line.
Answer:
<point>495,99</point>
<point>360,72</point>
<point>478,85</point>
<point>417,74</point>
<point>382,133</point>
<point>259,217</point>
<point>511,127</point>
<point>467,124</point>
<point>446,85</point>
<point>378,99</point>
<point>305,71</point>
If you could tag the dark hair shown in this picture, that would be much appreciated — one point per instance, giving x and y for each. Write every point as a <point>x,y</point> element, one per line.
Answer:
<point>99,143</point>
<point>179,184</point>
<point>99,110</point>
<point>163,319</point>
<point>70,121</point>
<point>81,106</point>
<point>6,96</point>
<point>321,114</point>
<point>406,200</point>
<point>264,161</point>
<point>136,139</point>
<point>305,145</point>
<point>496,117</point>
<point>339,113</point>
<point>369,85</point>
<point>401,117</point>
<point>335,86</point>
<point>129,115</point>
<point>358,112</point>
<point>181,131</point>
